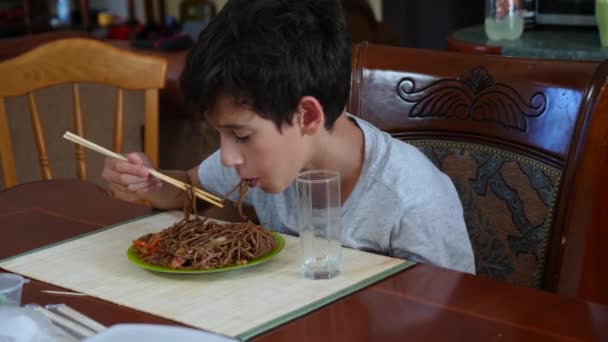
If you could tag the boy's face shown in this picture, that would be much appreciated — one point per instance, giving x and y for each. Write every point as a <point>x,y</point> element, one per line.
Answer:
<point>253,146</point>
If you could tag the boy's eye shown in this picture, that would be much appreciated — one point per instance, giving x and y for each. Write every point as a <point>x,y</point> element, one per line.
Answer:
<point>242,139</point>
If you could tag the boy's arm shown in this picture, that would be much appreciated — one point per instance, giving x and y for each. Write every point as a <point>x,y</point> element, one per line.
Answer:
<point>441,241</point>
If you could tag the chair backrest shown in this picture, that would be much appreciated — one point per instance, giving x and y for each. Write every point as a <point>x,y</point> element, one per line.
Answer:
<point>76,61</point>
<point>14,46</point>
<point>522,140</point>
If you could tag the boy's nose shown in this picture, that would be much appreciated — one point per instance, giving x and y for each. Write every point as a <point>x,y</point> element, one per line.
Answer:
<point>230,155</point>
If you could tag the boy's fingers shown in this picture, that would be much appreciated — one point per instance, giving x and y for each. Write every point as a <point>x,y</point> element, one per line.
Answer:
<point>147,188</point>
<point>135,158</point>
<point>120,192</point>
<point>135,187</point>
<point>132,169</point>
<point>156,182</point>
<point>125,166</point>
<point>127,179</point>
<point>114,177</point>
<point>150,187</point>
<point>118,187</point>
<point>110,175</point>
<point>139,158</point>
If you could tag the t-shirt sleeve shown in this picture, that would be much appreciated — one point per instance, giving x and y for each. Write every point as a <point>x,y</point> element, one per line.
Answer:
<point>217,179</point>
<point>442,240</point>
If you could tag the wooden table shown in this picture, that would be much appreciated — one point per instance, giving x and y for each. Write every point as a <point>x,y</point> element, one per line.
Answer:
<point>421,303</point>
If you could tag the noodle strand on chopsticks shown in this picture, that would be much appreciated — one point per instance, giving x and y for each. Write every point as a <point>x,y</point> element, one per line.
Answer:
<point>243,188</point>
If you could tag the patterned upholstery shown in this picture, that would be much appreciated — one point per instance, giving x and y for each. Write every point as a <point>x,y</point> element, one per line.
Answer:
<point>508,203</point>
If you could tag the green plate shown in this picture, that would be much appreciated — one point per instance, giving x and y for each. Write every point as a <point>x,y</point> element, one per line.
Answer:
<point>278,247</point>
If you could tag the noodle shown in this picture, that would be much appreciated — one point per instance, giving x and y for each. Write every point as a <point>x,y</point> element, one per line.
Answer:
<point>243,187</point>
<point>193,243</point>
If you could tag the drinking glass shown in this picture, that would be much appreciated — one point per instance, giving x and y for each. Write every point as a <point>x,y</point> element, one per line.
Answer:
<point>11,286</point>
<point>504,19</point>
<point>319,215</point>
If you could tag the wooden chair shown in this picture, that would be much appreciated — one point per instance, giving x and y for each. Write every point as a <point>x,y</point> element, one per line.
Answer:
<point>76,61</point>
<point>523,140</point>
<point>13,47</point>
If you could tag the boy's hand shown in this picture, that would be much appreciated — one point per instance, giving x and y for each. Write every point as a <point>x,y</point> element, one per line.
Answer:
<point>130,180</point>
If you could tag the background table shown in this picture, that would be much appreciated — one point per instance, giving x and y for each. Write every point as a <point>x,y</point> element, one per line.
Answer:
<point>552,42</point>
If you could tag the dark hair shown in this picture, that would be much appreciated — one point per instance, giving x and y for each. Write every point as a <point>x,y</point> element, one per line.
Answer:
<point>268,54</point>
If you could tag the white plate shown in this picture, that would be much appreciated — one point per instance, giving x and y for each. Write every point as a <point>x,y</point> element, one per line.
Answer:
<point>154,333</point>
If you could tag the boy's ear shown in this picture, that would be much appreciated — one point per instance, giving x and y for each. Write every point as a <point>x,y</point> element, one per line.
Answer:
<point>310,115</point>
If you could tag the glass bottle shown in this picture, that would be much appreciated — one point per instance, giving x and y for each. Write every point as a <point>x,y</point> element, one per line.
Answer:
<point>601,17</point>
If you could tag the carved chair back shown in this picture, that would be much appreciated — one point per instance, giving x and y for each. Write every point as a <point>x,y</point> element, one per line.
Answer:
<point>511,135</point>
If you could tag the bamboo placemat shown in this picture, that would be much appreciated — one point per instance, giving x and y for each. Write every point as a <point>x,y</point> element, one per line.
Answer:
<point>239,303</point>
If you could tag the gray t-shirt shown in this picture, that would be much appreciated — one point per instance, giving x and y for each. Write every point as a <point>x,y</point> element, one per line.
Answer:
<point>402,205</point>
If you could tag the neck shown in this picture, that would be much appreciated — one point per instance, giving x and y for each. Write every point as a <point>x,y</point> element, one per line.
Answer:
<point>343,150</point>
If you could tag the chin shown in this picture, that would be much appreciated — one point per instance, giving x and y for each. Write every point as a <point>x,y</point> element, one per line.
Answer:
<point>272,188</point>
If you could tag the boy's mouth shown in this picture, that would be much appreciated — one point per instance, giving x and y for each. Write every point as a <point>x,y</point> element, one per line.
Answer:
<point>252,182</point>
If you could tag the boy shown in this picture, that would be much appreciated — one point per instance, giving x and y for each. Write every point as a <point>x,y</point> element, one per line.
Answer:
<point>273,77</point>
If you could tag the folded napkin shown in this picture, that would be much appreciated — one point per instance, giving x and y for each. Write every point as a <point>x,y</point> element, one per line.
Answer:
<point>155,333</point>
<point>19,324</point>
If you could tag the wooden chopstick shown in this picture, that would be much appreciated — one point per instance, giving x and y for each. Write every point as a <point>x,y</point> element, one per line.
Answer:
<point>63,293</point>
<point>205,196</point>
<point>77,317</point>
<point>66,323</point>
